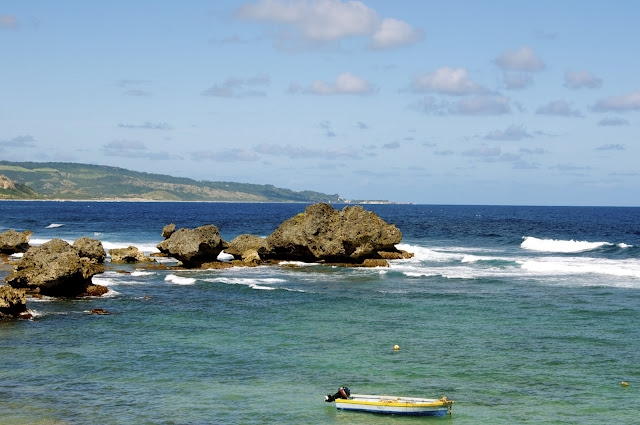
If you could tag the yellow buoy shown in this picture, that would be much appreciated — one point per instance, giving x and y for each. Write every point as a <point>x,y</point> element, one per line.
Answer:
<point>624,383</point>
<point>396,347</point>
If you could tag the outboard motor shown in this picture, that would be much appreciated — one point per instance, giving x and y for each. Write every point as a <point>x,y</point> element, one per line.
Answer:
<point>343,392</point>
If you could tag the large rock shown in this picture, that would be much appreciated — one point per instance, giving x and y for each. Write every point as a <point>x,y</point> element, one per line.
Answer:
<point>12,302</point>
<point>168,230</point>
<point>323,233</point>
<point>130,254</point>
<point>194,247</point>
<point>12,241</point>
<point>54,268</point>
<point>243,243</point>
<point>90,248</point>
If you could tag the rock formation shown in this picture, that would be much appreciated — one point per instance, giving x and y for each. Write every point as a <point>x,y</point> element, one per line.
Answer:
<point>90,248</point>
<point>54,268</point>
<point>12,302</point>
<point>168,230</point>
<point>12,242</point>
<point>130,254</point>
<point>323,233</point>
<point>194,247</point>
<point>243,243</point>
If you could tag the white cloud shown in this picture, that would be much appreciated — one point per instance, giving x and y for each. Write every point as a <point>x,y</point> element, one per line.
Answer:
<point>523,59</point>
<point>512,133</point>
<point>392,33</point>
<point>559,108</point>
<point>330,20</point>
<point>581,79</point>
<point>446,81</point>
<point>629,102</point>
<point>345,83</point>
<point>8,22</point>
<point>517,80</point>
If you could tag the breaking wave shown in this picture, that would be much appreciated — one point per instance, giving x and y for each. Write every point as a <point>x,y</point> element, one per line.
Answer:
<point>561,246</point>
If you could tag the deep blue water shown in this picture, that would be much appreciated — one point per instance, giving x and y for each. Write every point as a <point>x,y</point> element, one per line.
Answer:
<point>520,314</point>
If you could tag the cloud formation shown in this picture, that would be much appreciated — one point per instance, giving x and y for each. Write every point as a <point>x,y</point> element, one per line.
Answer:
<point>613,121</point>
<point>628,102</point>
<point>345,83</point>
<point>558,108</point>
<point>523,59</point>
<point>581,79</point>
<point>147,125</point>
<point>323,21</point>
<point>511,133</point>
<point>446,81</point>
<point>611,147</point>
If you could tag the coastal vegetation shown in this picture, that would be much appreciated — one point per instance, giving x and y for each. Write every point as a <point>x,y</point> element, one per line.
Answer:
<point>74,181</point>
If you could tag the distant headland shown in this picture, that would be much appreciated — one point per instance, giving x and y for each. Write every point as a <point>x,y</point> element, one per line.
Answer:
<point>75,181</point>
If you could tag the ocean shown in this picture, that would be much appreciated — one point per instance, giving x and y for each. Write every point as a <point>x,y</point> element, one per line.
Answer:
<point>519,314</point>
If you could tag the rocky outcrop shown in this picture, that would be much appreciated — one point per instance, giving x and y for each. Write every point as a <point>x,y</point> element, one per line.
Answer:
<point>323,233</point>
<point>130,254</point>
<point>54,268</point>
<point>90,248</point>
<point>194,247</point>
<point>12,242</point>
<point>243,243</point>
<point>168,230</point>
<point>12,302</point>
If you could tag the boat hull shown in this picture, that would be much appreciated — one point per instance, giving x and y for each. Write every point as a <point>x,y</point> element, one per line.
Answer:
<point>407,406</point>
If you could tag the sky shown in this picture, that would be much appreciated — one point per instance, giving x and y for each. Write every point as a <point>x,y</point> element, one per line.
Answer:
<point>501,102</point>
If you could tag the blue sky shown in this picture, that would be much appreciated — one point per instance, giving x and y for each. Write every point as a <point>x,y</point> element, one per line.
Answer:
<point>434,102</point>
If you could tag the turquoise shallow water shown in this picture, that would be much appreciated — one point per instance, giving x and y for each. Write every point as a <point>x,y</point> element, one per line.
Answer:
<point>513,335</point>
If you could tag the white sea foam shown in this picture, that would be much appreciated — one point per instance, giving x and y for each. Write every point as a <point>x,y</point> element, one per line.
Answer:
<point>582,266</point>
<point>296,264</point>
<point>142,247</point>
<point>54,225</point>
<point>253,283</point>
<point>561,246</point>
<point>179,280</point>
<point>427,254</point>
<point>137,273</point>
<point>107,279</point>
<point>17,255</point>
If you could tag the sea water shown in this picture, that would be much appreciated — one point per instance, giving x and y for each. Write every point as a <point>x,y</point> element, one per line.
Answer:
<point>519,314</point>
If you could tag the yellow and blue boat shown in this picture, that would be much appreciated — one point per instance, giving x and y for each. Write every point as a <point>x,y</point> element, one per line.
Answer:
<point>392,405</point>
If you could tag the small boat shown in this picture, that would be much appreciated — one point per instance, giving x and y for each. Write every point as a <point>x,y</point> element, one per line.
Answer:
<point>391,405</point>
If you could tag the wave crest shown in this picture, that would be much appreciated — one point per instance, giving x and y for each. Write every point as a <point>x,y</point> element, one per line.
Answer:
<point>557,245</point>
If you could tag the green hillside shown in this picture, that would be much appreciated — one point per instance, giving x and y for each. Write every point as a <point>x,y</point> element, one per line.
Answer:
<point>71,181</point>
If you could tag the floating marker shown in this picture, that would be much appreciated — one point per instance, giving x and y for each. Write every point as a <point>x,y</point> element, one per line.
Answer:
<point>624,383</point>
<point>396,347</point>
